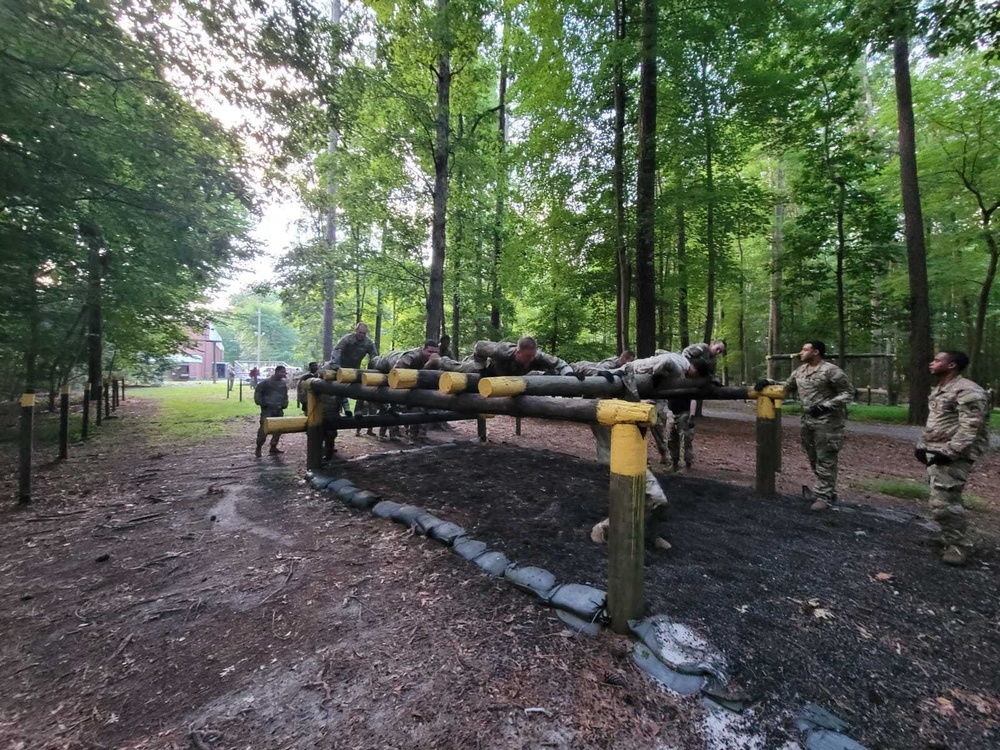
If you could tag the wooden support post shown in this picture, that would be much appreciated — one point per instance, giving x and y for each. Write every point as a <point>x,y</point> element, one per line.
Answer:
<point>114,394</point>
<point>64,422</point>
<point>84,431</point>
<point>314,431</point>
<point>241,390</point>
<point>777,435</point>
<point>768,448</point>
<point>122,381</point>
<point>517,426</point>
<point>626,535</point>
<point>869,395</point>
<point>107,400</point>
<point>27,438</point>
<point>96,400</point>
<point>481,428</point>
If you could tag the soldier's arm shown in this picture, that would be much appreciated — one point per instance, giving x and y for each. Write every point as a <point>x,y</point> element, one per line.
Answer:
<point>258,393</point>
<point>552,364</point>
<point>338,349</point>
<point>284,398</point>
<point>481,354</point>
<point>972,415</point>
<point>372,352</point>
<point>696,351</point>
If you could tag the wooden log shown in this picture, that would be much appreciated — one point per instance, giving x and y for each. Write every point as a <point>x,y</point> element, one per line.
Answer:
<point>373,379</point>
<point>348,375</point>
<point>26,445</point>
<point>284,425</point>
<point>95,399</point>
<point>570,410</point>
<point>85,427</point>
<point>64,422</point>
<point>458,382</point>
<point>832,356</point>
<point>768,447</point>
<point>429,379</point>
<point>626,537</point>
<point>517,426</point>
<point>241,390</point>
<point>122,382</point>
<point>598,387</point>
<point>392,420</point>
<point>314,428</point>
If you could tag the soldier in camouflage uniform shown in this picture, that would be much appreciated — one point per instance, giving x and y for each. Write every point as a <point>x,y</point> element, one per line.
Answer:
<point>586,369</point>
<point>271,395</point>
<point>681,419</point>
<point>825,392</point>
<point>956,434</point>
<point>350,351</point>
<point>492,358</point>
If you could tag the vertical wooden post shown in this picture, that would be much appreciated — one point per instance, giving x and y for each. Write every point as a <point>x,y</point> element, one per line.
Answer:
<point>85,428</point>
<point>107,400</point>
<point>314,430</point>
<point>114,394</point>
<point>481,428</point>
<point>626,536</point>
<point>777,435</point>
<point>64,421</point>
<point>27,437</point>
<point>96,399</point>
<point>241,390</point>
<point>517,425</point>
<point>767,449</point>
<point>123,387</point>
<point>869,395</point>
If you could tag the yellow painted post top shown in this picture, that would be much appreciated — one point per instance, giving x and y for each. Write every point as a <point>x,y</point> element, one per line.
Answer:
<point>612,411</point>
<point>453,382</point>
<point>328,374</point>
<point>771,391</point>
<point>628,450</point>
<point>501,386</point>
<point>403,378</point>
<point>64,390</point>
<point>314,409</point>
<point>372,378</point>
<point>28,399</point>
<point>284,425</point>
<point>765,408</point>
<point>347,375</point>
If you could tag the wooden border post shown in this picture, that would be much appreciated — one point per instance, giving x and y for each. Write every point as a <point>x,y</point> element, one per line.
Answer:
<point>626,532</point>
<point>481,428</point>
<point>314,431</point>
<point>27,438</point>
<point>241,390</point>
<point>107,399</point>
<point>95,399</point>
<point>517,426</point>
<point>122,381</point>
<point>64,421</point>
<point>85,427</point>
<point>768,447</point>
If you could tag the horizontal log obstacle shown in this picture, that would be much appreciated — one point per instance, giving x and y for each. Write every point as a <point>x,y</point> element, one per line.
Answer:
<point>286,425</point>
<point>458,382</point>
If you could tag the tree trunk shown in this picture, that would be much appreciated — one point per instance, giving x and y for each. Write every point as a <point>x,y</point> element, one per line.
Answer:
<point>841,249</point>
<point>777,245</point>
<point>459,248</point>
<point>329,285</point>
<point>682,274</point>
<point>623,266</point>
<point>435,292</point>
<point>744,356</point>
<point>378,319</point>
<point>916,255</point>
<point>976,343</point>
<point>95,266</point>
<point>645,204</point>
<point>496,293</point>
<point>710,214</point>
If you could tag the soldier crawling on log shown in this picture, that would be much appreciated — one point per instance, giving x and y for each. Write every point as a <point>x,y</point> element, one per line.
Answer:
<point>425,357</point>
<point>502,358</point>
<point>584,368</point>
<point>679,409</point>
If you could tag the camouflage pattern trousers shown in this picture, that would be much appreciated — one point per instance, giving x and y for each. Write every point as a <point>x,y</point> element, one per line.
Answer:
<point>681,432</point>
<point>946,484</point>
<point>822,441</point>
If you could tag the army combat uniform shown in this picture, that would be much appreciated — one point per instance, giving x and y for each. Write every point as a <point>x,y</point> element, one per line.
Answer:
<point>493,358</point>
<point>272,397</point>
<point>348,352</point>
<point>592,368</point>
<point>958,429</point>
<point>681,418</point>
<point>823,388</point>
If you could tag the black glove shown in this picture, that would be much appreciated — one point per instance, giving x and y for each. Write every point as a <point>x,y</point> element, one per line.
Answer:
<point>607,375</point>
<point>347,413</point>
<point>578,375</point>
<point>761,384</point>
<point>819,410</point>
<point>921,455</point>
<point>936,457</point>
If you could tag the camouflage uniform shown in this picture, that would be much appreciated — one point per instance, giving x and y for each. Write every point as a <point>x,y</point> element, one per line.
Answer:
<point>493,358</point>
<point>957,427</point>
<point>386,362</point>
<point>681,419</point>
<point>415,359</point>
<point>822,437</point>
<point>349,352</point>
<point>592,368</point>
<point>272,397</point>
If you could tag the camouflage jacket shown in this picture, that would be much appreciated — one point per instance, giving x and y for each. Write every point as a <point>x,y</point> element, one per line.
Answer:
<point>414,359</point>
<point>958,422</point>
<point>349,352</point>
<point>592,368</point>
<point>667,364</point>
<point>825,385</point>
<point>701,351</point>
<point>497,358</point>
<point>386,362</point>
<point>271,395</point>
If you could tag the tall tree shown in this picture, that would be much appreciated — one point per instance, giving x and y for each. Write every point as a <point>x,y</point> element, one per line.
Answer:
<point>645,206</point>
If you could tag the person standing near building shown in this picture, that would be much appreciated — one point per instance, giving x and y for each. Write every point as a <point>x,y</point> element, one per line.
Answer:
<point>825,392</point>
<point>271,395</point>
<point>956,434</point>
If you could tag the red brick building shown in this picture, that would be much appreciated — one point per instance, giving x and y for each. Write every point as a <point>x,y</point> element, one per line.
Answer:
<point>203,354</point>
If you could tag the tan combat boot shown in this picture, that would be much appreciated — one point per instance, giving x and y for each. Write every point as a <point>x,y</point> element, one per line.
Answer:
<point>955,555</point>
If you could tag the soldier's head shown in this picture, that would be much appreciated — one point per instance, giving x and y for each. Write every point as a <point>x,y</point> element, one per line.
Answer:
<point>445,340</point>
<point>717,347</point>
<point>361,331</point>
<point>625,357</point>
<point>527,350</point>
<point>698,368</point>
<point>812,352</point>
<point>430,347</point>
<point>279,373</point>
<point>314,367</point>
<point>949,363</point>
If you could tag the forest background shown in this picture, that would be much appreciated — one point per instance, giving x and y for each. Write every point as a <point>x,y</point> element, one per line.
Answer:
<point>643,173</point>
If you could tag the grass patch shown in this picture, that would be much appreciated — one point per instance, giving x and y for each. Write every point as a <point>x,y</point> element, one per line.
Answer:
<point>881,413</point>
<point>907,489</point>
<point>196,410</point>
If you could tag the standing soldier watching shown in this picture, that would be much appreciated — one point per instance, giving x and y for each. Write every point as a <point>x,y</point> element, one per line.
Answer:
<point>825,392</point>
<point>271,395</point>
<point>956,434</point>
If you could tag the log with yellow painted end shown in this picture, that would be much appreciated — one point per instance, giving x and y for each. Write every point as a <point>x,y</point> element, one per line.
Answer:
<point>501,386</point>
<point>284,425</point>
<point>614,411</point>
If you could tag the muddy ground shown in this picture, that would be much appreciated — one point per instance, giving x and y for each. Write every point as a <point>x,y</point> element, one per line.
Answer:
<point>194,597</point>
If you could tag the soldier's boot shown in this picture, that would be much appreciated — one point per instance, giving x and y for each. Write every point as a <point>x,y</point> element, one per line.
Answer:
<point>599,534</point>
<point>956,555</point>
<point>257,452</point>
<point>654,538</point>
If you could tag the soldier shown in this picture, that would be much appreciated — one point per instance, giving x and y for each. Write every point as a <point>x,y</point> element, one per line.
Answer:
<point>445,348</point>
<point>681,419</point>
<point>825,392</point>
<point>352,349</point>
<point>426,357</point>
<point>584,369</point>
<point>956,434</point>
<point>311,372</point>
<point>271,395</point>
<point>491,358</point>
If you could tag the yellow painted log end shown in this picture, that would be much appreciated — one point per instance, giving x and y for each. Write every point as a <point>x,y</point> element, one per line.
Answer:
<point>284,425</point>
<point>453,382</point>
<point>347,375</point>
<point>28,399</point>
<point>403,378</point>
<point>328,374</point>
<point>64,390</point>
<point>765,408</point>
<point>373,379</point>
<point>772,391</point>
<point>612,411</point>
<point>628,450</point>
<point>502,386</point>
